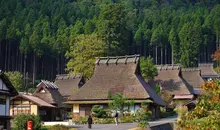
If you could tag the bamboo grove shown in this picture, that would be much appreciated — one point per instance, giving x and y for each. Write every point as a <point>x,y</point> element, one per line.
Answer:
<point>35,34</point>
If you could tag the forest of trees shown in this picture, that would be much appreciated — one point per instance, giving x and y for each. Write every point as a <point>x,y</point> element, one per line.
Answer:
<point>36,34</point>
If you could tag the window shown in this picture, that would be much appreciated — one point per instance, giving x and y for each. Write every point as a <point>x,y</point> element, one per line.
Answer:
<point>21,109</point>
<point>2,100</point>
<point>42,91</point>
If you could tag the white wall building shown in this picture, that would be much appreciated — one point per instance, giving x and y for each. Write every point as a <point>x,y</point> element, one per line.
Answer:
<point>6,91</point>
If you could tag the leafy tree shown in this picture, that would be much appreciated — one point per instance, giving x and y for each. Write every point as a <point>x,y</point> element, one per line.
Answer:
<point>190,43</point>
<point>119,102</point>
<point>111,26</point>
<point>148,69</point>
<point>206,115</point>
<point>3,27</point>
<point>83,51</point>
<point>16,79</point>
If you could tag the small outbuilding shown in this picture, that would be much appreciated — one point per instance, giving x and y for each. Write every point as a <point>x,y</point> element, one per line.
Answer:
<point>207,71</point>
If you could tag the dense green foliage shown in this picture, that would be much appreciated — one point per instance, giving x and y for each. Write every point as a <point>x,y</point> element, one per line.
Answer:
<point>119,102</point>
<point>16,78</point>
<point>83,51</point>
<point>143,115</point>
<point>20,122</point>
<point>148,69</point>
<point>206,115</point>
<point>99,112</point>
<point>40,32</point>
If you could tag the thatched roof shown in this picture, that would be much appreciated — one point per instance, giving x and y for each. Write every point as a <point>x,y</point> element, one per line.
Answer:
<point>6,81</point>
<point>207,70</point>
<point>193,77</point>
<point>67,84</point>
<point>116,75</point>
<point>169,79</point>
<point>48,92</point>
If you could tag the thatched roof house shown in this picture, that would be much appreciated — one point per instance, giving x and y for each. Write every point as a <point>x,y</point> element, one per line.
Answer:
<point>207,71</point>
<point>171,81</point>
<point>193,77</point>
<point>68,84</point>
<point>48,92</point>
<point>116,75</point>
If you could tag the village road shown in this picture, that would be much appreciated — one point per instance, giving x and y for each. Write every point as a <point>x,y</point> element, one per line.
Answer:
<point>124,126</point>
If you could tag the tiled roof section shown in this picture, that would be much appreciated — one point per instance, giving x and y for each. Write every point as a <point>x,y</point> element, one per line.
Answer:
<point>68,84</point>
<point>51,94</point>
<point>49,84</point>
<point>170,81</point>
<point>118,59</point>
<point>207,70</point>
<point>116,77</point>
<point>12,90</point>
<point>193,77</point>
<point>35,100</point>
<point>168,67</point>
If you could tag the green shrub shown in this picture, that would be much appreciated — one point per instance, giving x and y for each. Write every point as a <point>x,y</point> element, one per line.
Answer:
<point>165,113</point>
<point>59,127</point>
<point>103,120</point>
<point>143,115</point>
<point>128,119</point>
<point>80,120</point>
<point>98,112</point>
<point>20,121</point>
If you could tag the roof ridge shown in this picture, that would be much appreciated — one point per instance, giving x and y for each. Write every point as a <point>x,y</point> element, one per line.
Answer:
<point>115,59</point>
<point>49,84</point>
<point>169,67</point>
<point>190,69</point>
<point>206,64</point>
<point>69,76</point>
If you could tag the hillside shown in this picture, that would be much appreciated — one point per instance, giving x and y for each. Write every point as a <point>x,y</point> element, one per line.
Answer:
<point>35,34</point>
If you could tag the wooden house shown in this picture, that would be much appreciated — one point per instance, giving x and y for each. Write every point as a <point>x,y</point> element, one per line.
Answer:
<point>46,102</point>
<point>192,76</point>
<point>169,78</point>
<point>207,71</point>
<point>6,92</point>
<point>115,75</point>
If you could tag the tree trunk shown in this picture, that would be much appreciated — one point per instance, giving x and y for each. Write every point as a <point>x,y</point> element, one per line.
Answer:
<point>165,54</point>
<point>6,55</point>
<point>58,64</point>
<point>161,55</point>
<point>172,56</point>
<point>9,56</point>
<point>156,55</point>
<point>34,67</point>
<point>25,58</point>
<point>1,56</point>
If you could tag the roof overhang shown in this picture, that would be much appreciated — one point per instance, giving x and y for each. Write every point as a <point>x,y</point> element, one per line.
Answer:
<point>39,102</point>
<point>183,97</point>
<point>101,101</point>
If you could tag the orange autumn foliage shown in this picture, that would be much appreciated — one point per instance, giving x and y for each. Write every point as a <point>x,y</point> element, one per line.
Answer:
<point>216,55</point>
